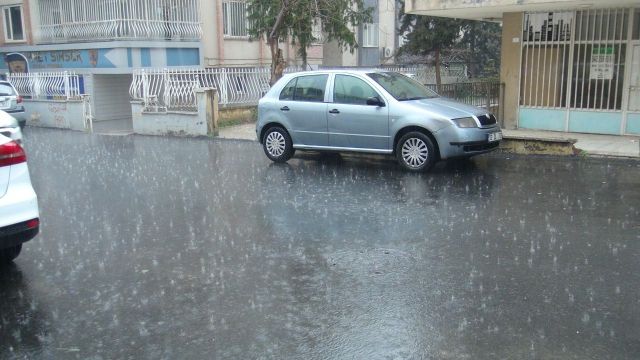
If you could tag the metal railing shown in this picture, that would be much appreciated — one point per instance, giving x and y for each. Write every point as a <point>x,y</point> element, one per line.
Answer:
<point>484,94</point>
<point>51,85</point>
<point>174,89</point>
<point>83,20</point>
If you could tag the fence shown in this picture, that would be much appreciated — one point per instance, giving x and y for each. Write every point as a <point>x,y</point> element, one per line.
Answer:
<point>79,20</point>
<point>51,85</point>
<point>484,94</point>
<point>174,89</point>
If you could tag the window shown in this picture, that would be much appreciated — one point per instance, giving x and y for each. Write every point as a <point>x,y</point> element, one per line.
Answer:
<point>305,88</point>
<point>370,35</point>
<point>13,30</point>
<point>401,87</point>
<point>316,32</point>
<point>234,15</point>
<point>289,90</point>
<point>351,90</point>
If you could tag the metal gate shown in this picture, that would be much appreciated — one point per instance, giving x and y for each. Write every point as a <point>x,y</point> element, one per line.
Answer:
<point>574,69</point>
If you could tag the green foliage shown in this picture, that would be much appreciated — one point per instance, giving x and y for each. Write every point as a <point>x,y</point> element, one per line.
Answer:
<point>482,41</point>
<point>337,18</point>
<point>478,41</point>
<point>427,34</point>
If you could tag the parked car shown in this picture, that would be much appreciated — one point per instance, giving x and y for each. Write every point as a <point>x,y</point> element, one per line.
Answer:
<point>10,127</point>
<point>19,216</point>
<point>11,102</point>
<point>370,111</point>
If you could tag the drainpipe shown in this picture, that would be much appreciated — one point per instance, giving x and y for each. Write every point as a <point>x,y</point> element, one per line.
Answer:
<point>220,32</point>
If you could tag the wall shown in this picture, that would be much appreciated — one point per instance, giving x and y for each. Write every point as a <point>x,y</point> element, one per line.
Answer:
<point>26,25</point>
<point>510,66</point>
<point>53,113</point>
<point>169,123</point>
<point>218,50</point>
<point>234,115</point>
<point>388,33</point>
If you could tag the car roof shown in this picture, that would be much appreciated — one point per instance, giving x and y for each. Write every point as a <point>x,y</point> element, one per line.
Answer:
<point>340,71</point>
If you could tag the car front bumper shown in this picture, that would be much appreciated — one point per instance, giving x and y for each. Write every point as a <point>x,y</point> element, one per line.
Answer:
<point>462,142</point>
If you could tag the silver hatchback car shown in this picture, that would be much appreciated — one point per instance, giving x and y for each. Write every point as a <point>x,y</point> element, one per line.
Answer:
<point>370,111</point>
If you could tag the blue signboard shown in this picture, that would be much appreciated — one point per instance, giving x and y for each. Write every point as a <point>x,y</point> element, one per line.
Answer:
<point>98,58</point>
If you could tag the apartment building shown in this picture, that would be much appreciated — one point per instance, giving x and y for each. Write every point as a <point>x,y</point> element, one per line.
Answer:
<point>378,41</point>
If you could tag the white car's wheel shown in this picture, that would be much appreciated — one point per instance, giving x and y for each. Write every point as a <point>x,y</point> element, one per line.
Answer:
<point>9,254</point>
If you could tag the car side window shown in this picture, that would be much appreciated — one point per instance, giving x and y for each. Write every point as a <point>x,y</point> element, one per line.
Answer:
<point>287,92</point>
<point>310,88</point>
<point>351,90</point>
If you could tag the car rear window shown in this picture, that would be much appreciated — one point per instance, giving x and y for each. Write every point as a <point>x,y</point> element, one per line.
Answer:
<point>305,88</point>
<point>6,89</point>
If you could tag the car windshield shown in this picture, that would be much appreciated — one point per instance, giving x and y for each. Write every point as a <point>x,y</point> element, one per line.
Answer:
<point>401,87</point>
<point>6,89</point>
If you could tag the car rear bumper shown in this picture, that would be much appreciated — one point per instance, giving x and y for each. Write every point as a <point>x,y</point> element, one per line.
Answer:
<point>19,203</point>
<point>19,114</point>
<point>17,234</point>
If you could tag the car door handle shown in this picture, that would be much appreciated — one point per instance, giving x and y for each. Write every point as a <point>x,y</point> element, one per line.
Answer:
<point>284,108</point>
<point>334,111</point>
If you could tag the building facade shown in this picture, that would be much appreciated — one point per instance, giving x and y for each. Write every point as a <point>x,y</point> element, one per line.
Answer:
<point>570,66</point>
<point>378,41</point>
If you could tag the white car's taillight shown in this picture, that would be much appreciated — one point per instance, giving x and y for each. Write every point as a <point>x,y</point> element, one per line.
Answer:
<point>12,153</point>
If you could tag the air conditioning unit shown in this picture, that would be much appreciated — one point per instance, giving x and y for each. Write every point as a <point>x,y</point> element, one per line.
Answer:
<point>387,52</point>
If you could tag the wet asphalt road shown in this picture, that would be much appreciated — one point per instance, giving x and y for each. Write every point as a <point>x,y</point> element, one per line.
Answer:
<point>155,248</point>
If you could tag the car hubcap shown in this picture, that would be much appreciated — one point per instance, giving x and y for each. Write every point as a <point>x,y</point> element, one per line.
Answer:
<point>275,144</point>
<point>415,152</point>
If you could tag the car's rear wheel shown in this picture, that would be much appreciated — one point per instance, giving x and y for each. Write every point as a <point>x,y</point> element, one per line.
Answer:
<point>9,254</point>
<point>277,144</point>
<point>415,152</point>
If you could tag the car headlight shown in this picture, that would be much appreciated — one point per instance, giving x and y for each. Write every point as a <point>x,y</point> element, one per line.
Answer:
<point>466,122</point>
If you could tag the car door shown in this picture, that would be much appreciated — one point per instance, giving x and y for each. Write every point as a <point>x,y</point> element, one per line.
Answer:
<point>302,102</point>
<point>351,122</point>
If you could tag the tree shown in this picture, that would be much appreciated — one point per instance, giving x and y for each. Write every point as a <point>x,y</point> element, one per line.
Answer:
<point>279,21</point>
<point>427,35</point>
<point>482,40</point>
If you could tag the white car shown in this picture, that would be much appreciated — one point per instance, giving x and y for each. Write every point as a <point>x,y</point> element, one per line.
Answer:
<point>11,102</point>
<point>19,215</point>
<point>10,127</point>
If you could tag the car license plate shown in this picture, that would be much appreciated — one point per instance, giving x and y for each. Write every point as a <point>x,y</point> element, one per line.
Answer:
<point>496,136</point>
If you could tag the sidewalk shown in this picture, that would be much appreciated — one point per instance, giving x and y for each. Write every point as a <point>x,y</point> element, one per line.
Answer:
<point>587,144</point>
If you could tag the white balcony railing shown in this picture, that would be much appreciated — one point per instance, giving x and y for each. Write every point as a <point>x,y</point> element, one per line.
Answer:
<point>103,20</point>
<point>174,89</point>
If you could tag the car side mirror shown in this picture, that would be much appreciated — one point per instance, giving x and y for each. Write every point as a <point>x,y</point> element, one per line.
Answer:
<point>375,101</point>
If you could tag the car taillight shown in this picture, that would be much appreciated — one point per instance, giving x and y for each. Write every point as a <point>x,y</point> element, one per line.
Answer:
<point>11,153</point>
<point>33,223</point>
<point>19,99</point>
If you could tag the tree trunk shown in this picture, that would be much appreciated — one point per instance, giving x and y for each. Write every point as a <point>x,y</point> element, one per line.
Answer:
<point>438,77</point>
<point>277,62</point>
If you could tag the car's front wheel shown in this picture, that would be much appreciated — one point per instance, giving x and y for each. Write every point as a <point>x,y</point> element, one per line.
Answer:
<point>415,152</point>
<point>277,144</point>
<point>9,254</point>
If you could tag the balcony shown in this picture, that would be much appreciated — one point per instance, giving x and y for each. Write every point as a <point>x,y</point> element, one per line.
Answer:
<point>67,21</point>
